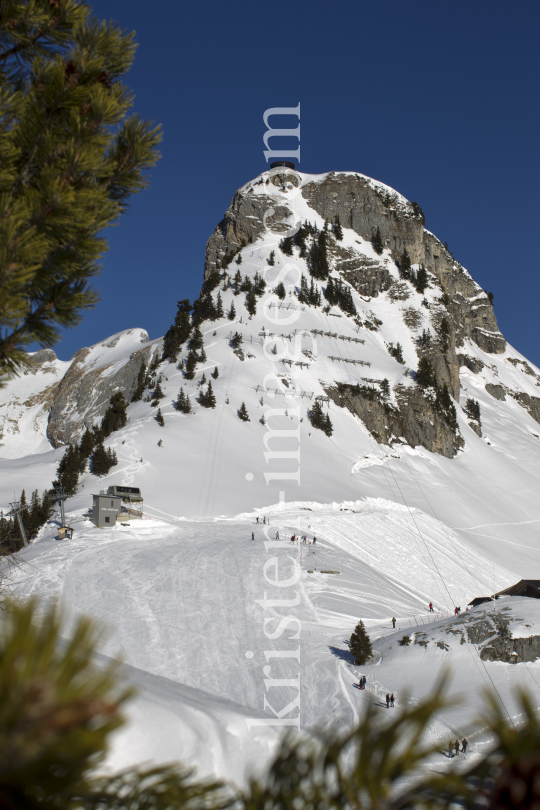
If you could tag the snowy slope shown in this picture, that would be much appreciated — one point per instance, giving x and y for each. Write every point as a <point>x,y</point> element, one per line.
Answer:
<point>403,526</point>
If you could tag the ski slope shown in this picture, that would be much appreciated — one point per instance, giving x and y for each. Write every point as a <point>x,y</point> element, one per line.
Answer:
<point>182,592</point>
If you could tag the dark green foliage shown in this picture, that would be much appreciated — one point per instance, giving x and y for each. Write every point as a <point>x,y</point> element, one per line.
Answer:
<point>377,241</point>
<point>405,265</point>
<point>319,419</point>
<point>360,645</point>
<point>309,295</point>
<point>157,393</point>
<point>215,373</point>
<point>425,376</point>
<point>424,341</point>
<point>141,383</point>
<point>102,461</point>
<point>246,285</point>
<point>59,711</point>
<point>405,641</point>
<point>286,246</point>
<point>318,260</point>
<point>219,311</point>
<point>272,258</point>
<point>472,409</point>
<point>339,294</point>
<point>396,352</point>
<point>207,400</point>
<point>418,212</point>
<point>236,283</point>
<point>203,379</point>
<point>444,331</point>
<point>251,302</point>
<point>202,356</point>
<point>243,414</point>
<point>259,284</point>
<point>159,418</point>
<point>236,340</point>
<point>300,240</point>
<point>337,229</point>
<point>177,334</point>
<point>420,281</point>
<point>115,416</point>
<point>196,340</point>
<point>239,259</point>
<point>211,282</point>
<point>87,444</point>
<point>204,309</point>
<point>280,291</point>
<point>231,314</point>
<point>69,468</point>
<point>191,364</point>
<point>183,402</point>
<point>71,155</point>
<point>385,387</point>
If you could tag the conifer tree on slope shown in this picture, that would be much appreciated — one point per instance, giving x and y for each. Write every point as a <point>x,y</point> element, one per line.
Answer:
<point>243,414</point>
<point>70,158</point>
<point>179,332</point>
<point>183,402</point>
<point>360,645</point>
<point>159,418</point>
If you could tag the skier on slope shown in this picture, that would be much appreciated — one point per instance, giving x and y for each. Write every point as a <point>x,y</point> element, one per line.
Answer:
<point>387,700</point>
<point>464,745</point>
<point>392,700</point>
<point>431,607</point>
<point>394,622</point>
<point>314,540</point>
<point>277,535</point>
<point>253,535</point>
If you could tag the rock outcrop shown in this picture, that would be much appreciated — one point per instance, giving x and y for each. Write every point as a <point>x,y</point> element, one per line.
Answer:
<point>414,421</point>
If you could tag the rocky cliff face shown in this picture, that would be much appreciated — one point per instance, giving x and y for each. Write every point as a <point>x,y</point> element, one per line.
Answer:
<point>82,396</point>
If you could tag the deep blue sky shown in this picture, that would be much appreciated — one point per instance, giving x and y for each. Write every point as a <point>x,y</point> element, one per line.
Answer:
<point>437,99</point>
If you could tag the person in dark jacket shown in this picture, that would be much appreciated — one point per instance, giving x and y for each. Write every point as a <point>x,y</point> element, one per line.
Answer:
<point>387,700</point>
<point>394,622</point>
<point>464,745</point>
<point>456,746</point>
<point>253,535</point>
<point>392,700</point>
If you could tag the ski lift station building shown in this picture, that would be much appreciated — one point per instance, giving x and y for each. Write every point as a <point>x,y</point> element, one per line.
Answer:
<point>108,507</point>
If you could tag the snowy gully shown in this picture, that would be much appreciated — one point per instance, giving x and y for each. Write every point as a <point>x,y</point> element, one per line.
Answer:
<point>281,443</point>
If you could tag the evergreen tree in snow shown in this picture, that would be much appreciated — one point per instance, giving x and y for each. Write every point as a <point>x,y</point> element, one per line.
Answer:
<point>231,314</point>
<point>385,388</point>
<point>219,306</point>
<point>207,400</point>
<point>87,444</point>
<point>68,470</point>
<point>102,461</point>
<point>360,644</point>
<point>246,285</point>
<point>319,419</point>
<point>237,281</point>
<point>203,380</point>
<point>115,416</point>
<point>215,373</point>
<point>444,330</point>
<point>243,414</point>
<point>177,334</point>
<point>286,246</point>
<point>236,340</point>
<point>318,260</point>
<point>251,303</point>
<point>425,376</point>
<point>421,282</point>
<point>158,393</point>
<point>396,352</point>
<point>159,418</point>
<point>191,364</point>
<point>280,291</point>
<point>202,358</point>
<point>405,265</point>
<point>472,409</point>
<point>259,284</point>
<point>338,230</point>
<point>183,402</point>
<point>377,241</point>
<point>196,340</point>
<point>239,259</point>
<point>272,258</point>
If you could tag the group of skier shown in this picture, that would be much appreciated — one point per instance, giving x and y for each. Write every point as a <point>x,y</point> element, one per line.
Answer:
<point>294,538</point>
<point>389,700</point>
